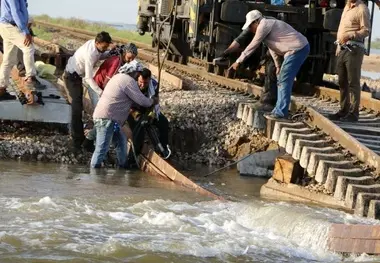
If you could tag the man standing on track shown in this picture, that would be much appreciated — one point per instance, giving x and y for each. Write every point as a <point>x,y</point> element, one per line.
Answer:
<point>284,41</point>
<point>353,29</point>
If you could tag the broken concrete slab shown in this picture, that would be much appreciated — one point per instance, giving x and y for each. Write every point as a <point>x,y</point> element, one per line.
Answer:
<point>259,164</point>
<point>354,238</point>
<point>55,109</point>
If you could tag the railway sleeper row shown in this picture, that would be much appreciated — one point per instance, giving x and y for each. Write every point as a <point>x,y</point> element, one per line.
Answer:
<point>323,160</point>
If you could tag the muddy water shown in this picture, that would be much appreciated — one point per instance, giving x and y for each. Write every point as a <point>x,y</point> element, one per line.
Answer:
<point>51,213</point>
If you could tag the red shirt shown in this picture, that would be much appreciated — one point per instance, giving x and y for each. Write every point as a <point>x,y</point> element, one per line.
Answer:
<point>106,70</point>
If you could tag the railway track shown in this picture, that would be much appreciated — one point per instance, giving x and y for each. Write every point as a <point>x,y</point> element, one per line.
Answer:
<point>341,160</point>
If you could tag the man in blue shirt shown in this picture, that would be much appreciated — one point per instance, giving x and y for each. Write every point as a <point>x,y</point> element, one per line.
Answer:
<point>15,33</point>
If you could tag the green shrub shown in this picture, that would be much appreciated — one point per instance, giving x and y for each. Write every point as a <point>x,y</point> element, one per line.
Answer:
<point>95,27</point>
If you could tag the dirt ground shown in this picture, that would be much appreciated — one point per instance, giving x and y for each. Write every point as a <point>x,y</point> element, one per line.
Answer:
<point>371,63</point>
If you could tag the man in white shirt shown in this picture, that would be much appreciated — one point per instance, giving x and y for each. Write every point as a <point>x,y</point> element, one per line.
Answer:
<point>81,65</point>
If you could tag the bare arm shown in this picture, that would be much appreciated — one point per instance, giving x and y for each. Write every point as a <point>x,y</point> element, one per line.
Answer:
<point>232,48</point>
<point>89,76</point>
<point>135,94</point>
<point>276,58</point>
<point>262,31</point>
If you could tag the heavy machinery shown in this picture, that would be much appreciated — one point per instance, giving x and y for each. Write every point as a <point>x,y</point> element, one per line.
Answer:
<point>204,28</point>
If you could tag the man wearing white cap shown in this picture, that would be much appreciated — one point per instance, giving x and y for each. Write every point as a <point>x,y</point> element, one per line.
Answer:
<point>284,41</point>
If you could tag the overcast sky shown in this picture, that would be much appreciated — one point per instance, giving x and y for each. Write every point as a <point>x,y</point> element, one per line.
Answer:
<point>114,11</point>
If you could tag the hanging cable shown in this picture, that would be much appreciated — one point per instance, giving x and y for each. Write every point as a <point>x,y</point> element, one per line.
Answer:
<point>161,65</point>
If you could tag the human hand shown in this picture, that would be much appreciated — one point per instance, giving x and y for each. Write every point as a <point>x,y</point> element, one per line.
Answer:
<point>28,40</point>
<point>86,132</point>
<point>278,71</point>
<point>234,66</point>
<point>344,39</point>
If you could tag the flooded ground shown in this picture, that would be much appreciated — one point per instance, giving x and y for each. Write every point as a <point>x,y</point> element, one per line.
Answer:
<point>53,213</point>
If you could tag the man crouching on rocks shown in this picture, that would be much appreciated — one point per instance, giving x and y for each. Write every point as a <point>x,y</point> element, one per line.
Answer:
<point>149,87</point>
<point>112,112</point>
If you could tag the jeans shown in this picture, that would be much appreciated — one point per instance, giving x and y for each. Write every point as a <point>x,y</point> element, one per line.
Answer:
<point>288,72</point>
<point>13,39</point>
<point>105,134</point>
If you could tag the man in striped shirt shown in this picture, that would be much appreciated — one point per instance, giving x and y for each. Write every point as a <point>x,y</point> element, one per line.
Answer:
<point>284,41</point>
<point>112,111</point>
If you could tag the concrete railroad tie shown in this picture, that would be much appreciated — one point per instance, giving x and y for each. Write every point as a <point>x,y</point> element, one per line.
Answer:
<point>341,177</point>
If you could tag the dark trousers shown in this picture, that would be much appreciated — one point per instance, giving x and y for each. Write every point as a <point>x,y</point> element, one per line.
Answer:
<point>163,129</point>
<point>269,93</point>
<point>349,71</point>
<point>73,83</point>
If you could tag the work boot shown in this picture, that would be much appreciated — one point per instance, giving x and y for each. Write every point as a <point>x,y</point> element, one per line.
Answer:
<point>274,117</point>
<point>32,83</point>
<point>264,107</point>
<point>349,118</point>
<point>337,116</point>
<point>5,95</point>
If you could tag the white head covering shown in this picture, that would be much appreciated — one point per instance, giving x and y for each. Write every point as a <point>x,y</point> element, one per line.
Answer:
<point>251,17</point>
<point>130,67</point>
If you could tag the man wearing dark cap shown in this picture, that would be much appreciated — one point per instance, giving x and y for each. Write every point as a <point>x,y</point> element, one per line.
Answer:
<point>81,65</point>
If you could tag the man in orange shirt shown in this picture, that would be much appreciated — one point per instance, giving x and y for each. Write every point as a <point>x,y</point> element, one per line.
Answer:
<point>354,27</point>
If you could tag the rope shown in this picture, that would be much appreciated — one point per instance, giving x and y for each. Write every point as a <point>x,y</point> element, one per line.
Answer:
<point>238,161</point>
<point>161,65</point>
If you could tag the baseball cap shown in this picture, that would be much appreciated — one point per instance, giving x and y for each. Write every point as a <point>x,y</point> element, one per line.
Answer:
<point>251,17</point>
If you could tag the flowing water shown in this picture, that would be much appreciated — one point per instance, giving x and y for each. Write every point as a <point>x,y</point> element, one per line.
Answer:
<point>52,213</point>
